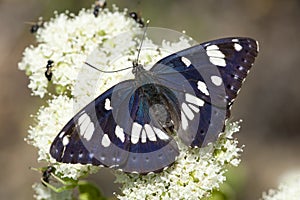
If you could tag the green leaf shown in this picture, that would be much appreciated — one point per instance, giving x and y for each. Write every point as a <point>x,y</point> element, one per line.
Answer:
<point>88,191</point>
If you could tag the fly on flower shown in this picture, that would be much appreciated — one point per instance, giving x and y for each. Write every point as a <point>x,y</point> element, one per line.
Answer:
<point>137,17</point>
<point>99,4</point>
<point>35,26</point>
<point>49,67</point>
<point>47,173</point>
<point>131,126</point>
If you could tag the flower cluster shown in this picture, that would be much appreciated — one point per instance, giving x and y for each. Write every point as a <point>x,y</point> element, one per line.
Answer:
<point>193,176</point>
<point>109,42</point>
<point>68,39</point>
<point>289,188</point>
<point>68,43</point>
<point>43,193</point>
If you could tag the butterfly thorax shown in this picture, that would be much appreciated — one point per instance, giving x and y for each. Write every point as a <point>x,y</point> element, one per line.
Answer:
<point>142,76</point>
<point>136,68</point>
<point>159,101</point>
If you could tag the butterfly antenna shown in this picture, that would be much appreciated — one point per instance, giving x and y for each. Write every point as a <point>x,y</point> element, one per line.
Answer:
<point>139,51</point>
<point>88,64</point>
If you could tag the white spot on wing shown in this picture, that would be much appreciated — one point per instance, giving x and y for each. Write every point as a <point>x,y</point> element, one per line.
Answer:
<point>107,104</point>
<point>184,121</point>
<point>257,46</point>
<point>120,133</point>
<point>144,137</point>
<point>186,61</point>
<point>135,132</point>
<point>150,133</point>
<point>215,53</point>
<point>193,99</point>
<point>82,118</point>
<point>80,155</point>
<point>187,111</point>
<point>160,134</point>
<point>61,134</point>
<point>235,40</point>
<point>212,47</point>
<point>238,47</point>
<point>202,87</point>
<point>216,80</point>
<point>105,140</point>
<point>86,126</point>
<point>89,131</point>
<point>83,121</point>
<point>194,108</point>
<point>65,141</point>
<point>217,61</point>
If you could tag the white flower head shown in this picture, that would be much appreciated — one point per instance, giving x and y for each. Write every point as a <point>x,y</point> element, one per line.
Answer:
<point>49,121</point>
<point>194,175</point>
<point>67,39</point>
<point>289,188</point>
<point>44,193</point>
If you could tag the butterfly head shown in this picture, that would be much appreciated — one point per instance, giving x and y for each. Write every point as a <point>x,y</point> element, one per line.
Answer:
<point>137,68</point>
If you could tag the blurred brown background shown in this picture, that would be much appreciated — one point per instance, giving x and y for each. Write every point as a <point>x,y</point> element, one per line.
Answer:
<point>269,102</point>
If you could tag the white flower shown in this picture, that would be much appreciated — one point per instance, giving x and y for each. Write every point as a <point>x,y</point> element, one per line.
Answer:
<point>289,188</point>
<point>67,40</point>
<point>194,175</point>
<point>50,121</point>
<point>44,193</point>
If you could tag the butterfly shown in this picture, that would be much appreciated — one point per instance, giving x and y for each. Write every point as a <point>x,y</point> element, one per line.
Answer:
<point>131,126</point>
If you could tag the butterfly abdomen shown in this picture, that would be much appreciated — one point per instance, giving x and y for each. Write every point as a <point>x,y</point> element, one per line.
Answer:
<point>159,107</point>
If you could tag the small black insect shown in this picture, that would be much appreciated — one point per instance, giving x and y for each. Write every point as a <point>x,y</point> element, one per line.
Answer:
<point>99,4</point>
<point>47,173</point>
<point>35,26</point>
<point>137,18</point>
<point>48,72</point>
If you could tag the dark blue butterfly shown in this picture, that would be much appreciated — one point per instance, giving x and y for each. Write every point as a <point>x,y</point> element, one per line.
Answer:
<point>130,126</point>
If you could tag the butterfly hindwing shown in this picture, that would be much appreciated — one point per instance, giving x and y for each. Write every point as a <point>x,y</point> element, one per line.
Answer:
<point>84,139</point>
<point>99,135</point>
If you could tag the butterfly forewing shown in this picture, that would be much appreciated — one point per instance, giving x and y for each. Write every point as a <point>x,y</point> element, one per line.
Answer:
<point>86,137</point>
<point>206,78</point>
<point>235,57</point>
<point>99,135</point>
